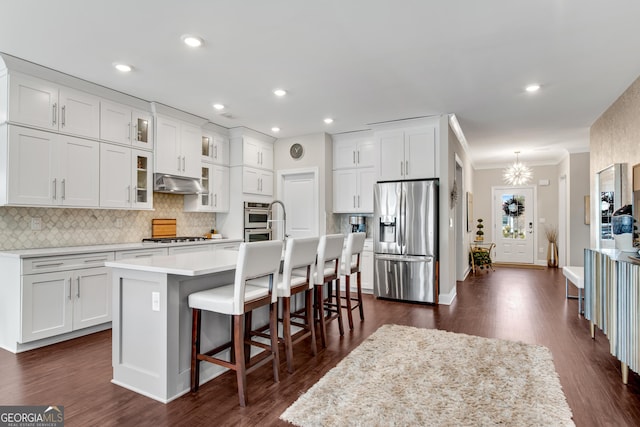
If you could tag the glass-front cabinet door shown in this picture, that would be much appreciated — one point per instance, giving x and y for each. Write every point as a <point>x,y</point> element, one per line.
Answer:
<point>205,197</point>
<point>143,186</point>
<point>142,130</point>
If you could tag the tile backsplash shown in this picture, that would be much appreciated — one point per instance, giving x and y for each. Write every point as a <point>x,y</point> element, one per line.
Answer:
<point>79,227</point>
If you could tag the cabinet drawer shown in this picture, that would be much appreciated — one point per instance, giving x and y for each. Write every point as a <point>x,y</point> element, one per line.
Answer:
<point>66,262</point>
<point>141,253</point>
<point>188,249</point>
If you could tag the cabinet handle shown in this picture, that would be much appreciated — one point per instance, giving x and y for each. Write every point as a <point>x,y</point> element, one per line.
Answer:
<point>183,163</point>
<point>78,283</point>
<point>354,201</point>
<point>358,200</point>
<point>215,152</point>
<point>406,167</point>
<point>358,156</point>
<point>129,135</point>
<point>69,288</point>
<point>52,264</point>
<point>354,157</point>
<point>64,115</point>
<point>401,168</point>
<point>258,161</point>
<point>178,163</point>
<point>55,189</point>
<point>64,188</point>
<point>128,194</point>
<point>215,200</point>
<point>55,113</point>
<point>86,261</point>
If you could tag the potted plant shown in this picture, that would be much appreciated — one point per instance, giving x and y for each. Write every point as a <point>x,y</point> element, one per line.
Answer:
<point>479,232</point>
<point>551,232</point>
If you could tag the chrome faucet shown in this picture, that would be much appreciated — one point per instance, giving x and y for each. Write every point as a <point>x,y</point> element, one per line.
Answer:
<point>284,218</point>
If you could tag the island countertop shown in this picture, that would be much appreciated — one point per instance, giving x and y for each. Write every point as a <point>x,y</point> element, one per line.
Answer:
<point>188,264</point>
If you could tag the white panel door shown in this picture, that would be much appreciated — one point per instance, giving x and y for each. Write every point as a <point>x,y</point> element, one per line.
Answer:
<point>392,156</point>
<point>115,176</point>
<point>300,198</point>
<point>513,224</point>
<point>46,305</point>
<point>115,122</point>
<point>345,190</point>
<point>33,102</point>
<point>79,162</point>
<point>32,167</point>
<point>420,153</point>
<point>79,113</point>
<point>92,299</point>
<point>168,155</point>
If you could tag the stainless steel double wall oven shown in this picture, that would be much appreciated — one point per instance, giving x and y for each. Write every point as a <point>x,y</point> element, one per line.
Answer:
<point>256,216</point>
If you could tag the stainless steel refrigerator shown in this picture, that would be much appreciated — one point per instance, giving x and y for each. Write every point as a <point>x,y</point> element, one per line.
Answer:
<point>405,239</point>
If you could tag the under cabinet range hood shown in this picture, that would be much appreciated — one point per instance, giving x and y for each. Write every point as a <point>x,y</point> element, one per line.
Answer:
<point>163,183</point>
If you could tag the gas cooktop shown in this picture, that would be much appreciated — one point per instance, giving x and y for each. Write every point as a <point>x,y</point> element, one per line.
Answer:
<point>178,239</point>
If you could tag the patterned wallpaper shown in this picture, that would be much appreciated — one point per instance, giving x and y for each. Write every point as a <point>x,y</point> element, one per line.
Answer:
<point>79,227</point>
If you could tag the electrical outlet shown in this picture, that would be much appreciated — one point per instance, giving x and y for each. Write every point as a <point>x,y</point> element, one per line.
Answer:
<point>155,301</point>
<point>36,224</point>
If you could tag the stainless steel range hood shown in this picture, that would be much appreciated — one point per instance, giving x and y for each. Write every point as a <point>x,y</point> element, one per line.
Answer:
<point>163,183</point>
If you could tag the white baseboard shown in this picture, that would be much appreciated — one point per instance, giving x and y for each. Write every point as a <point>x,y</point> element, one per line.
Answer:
<point>447,299</point>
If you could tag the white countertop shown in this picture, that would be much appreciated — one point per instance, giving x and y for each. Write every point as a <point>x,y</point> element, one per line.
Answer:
<point>191,264</point>
<point>68,250</point>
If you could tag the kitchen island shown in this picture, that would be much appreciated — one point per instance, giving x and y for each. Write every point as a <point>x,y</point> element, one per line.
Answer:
<point>152,320</point>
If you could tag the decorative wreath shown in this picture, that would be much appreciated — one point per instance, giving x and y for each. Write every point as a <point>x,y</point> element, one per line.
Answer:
<point>513,207</point>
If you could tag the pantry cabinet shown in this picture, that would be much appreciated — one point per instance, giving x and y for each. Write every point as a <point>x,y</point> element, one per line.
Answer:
<point>125,125</point>
<point>50,169</point>
<point>407,153</point>
<point>125,177</point>
<point>42,104</point>
<point>178,147</point>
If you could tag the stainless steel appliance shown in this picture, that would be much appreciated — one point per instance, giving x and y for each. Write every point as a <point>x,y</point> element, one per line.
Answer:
<point>358,224</point>
<point>257,234</point>
<point>256,222</point>
<point>405,237</point>
<point>256,215</point>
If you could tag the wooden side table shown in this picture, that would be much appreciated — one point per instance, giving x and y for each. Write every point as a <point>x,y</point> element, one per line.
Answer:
<point>481,256</point>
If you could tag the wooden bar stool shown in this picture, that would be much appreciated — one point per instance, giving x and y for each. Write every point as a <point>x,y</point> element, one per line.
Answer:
<point>327,267</point>
<point>355,246</point>
<point>300,254</point>
<point>257,259</point>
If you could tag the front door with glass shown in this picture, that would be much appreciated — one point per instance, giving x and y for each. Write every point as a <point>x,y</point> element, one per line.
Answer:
<point>513,224</point>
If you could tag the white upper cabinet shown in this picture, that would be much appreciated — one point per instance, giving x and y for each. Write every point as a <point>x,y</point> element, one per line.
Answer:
<point>50,169</point>
<point>215,183</point>
<point>215,149</point>
<point>257,181</point>
<point>178,147</point>
<point>353,190</point>
<point>354,153</point>
<point>125,125</point>
<point>125,177</point>
<point>39,103</point>
<point>408,154</point>
<point>257,154</point>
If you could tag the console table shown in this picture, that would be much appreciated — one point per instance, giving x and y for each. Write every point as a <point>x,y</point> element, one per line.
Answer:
<point>612,302</point>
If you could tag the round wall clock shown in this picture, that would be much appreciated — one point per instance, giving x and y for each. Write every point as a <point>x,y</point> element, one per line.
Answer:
<point>296,151</point>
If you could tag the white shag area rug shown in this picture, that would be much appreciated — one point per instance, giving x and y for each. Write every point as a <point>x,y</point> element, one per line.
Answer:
<point>406,376</point>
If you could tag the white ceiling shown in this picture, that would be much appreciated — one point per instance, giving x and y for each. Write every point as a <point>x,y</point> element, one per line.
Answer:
<point>358,61</point>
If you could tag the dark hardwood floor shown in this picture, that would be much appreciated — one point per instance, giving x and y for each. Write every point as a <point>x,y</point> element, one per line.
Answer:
<point>516,304</point>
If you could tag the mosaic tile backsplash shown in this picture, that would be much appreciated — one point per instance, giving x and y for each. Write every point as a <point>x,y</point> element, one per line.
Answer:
<point>80,227</point>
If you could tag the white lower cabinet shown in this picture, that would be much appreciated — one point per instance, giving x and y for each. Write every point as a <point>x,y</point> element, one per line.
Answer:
<point>58,302</point>
<point>125,177</point>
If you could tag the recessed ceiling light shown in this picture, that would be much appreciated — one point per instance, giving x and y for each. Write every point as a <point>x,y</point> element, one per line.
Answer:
<point>275,129</point>
<point>193,41</point>
<point>532,88</point>
<point>123,67</point>
<point>279,92</point>
<point>218,106</point>
<point>328,120</point>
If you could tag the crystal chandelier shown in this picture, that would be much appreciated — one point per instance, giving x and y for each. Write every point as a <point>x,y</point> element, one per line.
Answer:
<point>517,173</point>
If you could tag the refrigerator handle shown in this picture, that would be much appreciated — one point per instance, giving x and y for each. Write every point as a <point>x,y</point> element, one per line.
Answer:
<point>402,219</point>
